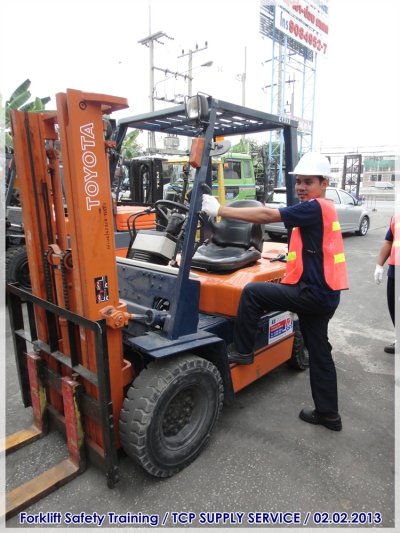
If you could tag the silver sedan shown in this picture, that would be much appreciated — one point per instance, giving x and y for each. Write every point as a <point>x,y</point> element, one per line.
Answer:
<point>353,216</point>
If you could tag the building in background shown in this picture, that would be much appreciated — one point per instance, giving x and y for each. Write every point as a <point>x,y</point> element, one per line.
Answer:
<point>379,166</point>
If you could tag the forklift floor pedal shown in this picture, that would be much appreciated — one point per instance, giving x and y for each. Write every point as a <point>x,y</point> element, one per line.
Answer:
<point>38,487</point>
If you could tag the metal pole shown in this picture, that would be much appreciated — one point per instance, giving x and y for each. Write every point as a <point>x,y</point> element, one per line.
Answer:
<point>190,89</point>
<point>149,41</point>
<point>151,134</point>
<point>244,83</point>
<point>244,78</point>
<point>190,79</point>
<point>190,54</point>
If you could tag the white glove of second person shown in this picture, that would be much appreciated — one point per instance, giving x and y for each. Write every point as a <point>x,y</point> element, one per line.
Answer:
<point>210,205</point>
<point>378,274</point>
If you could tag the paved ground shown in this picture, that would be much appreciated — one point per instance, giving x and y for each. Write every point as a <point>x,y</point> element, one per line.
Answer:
<point>261,457</point>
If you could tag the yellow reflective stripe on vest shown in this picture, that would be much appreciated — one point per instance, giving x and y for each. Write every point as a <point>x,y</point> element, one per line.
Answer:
<point>291,256</point>
<point>336,226</point>
<point>339,258</point>
<point>396,244</point>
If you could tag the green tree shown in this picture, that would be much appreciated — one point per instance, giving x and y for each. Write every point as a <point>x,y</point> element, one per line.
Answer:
<point>130,147</point>
<point>20,100</point>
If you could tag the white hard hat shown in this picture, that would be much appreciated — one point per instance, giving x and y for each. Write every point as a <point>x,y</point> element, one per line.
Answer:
<point>313,164</point>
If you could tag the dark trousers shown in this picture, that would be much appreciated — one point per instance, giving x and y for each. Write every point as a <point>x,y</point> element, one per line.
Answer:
<point>259,298</point>
<point>390,298</point>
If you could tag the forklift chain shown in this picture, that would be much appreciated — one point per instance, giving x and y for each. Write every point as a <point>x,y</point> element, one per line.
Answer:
<point>47,276</point>
<point>66,258</point>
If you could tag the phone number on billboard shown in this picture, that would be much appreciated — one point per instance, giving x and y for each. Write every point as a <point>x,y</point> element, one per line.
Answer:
<point>308,37</point>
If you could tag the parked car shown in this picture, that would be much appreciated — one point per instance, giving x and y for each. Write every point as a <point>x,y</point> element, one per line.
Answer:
<point>384,185</point>
<point>353,216</point>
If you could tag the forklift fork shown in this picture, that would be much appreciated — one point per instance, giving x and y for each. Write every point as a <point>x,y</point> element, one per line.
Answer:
<point>40,382</point>
<point>41,485</point>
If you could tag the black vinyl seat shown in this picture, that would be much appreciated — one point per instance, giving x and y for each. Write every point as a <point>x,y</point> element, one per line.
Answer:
<point>234,244</point>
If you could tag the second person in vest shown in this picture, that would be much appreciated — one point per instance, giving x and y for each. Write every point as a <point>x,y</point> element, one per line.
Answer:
<point>316,273</point>
<point>390,250</point>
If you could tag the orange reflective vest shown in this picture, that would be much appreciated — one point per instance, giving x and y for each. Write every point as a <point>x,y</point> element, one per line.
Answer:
<point>334,260</point>
<point>395,251</point>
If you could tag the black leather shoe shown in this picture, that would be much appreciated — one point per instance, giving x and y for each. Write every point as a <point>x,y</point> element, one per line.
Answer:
<point>240,358</point>
<point>312,416</point>
<point>389,348</point>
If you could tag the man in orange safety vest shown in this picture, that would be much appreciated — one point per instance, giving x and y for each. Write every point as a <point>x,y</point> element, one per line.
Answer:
<point>316,273</point>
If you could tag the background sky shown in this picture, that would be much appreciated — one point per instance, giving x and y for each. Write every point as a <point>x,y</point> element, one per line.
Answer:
<point>93,45</point>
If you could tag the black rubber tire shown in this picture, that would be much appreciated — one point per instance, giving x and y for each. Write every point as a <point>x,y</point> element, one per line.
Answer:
<point>169,413</point>
<point>364,227</point>
<point>17,267</point>
<point>299,360</point>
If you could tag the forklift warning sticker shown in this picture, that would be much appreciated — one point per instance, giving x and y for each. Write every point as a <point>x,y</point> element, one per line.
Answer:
<point>280,326</point>
<point>101,288</point>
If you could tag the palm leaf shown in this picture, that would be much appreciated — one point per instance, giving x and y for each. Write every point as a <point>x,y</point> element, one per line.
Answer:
<point>17,101</point>
<point>23,88</point>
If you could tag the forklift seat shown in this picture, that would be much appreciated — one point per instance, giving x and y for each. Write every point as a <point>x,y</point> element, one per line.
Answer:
<point>234,244</point>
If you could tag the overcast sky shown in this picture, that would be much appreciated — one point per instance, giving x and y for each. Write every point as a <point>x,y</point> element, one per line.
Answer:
<point>93,45</point>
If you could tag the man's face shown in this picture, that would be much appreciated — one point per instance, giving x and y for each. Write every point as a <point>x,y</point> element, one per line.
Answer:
<point>309,187</point>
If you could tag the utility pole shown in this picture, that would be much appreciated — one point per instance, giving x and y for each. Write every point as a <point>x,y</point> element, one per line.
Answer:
<point>149,42</point>
<point>190,53</point>
<point>242,78</point>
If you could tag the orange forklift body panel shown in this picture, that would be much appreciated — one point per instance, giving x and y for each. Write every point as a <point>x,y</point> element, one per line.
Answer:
<point>90,218</point>
<point>220,295</point>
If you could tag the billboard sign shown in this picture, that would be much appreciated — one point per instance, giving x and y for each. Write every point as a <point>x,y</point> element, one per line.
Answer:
<point>305,23</point>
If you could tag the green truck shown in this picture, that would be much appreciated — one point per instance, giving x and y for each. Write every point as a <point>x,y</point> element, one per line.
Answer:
<point>239,178</point>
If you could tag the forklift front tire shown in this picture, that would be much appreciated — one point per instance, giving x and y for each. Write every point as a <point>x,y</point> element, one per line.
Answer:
<point>300,358</point>
<point>169,413</point>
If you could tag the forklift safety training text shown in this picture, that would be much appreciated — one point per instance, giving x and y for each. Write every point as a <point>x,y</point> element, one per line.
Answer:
<point>173,518</point>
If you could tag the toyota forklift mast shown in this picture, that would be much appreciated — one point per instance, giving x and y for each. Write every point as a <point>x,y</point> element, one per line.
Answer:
<point>74,309</point>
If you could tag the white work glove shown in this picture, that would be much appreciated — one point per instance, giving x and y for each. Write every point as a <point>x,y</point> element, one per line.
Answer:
<point>210,205</point>
<point>378,274</point>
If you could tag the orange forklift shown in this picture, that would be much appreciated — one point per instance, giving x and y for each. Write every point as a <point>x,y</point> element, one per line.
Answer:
<point>131,352</point>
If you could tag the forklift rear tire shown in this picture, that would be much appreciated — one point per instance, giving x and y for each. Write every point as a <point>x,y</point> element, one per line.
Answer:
<point>169,413</point>
<point>300,358</point>
<point>17,267</point>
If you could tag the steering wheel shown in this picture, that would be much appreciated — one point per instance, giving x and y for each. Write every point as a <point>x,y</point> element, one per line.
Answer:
<point>164,208</point>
